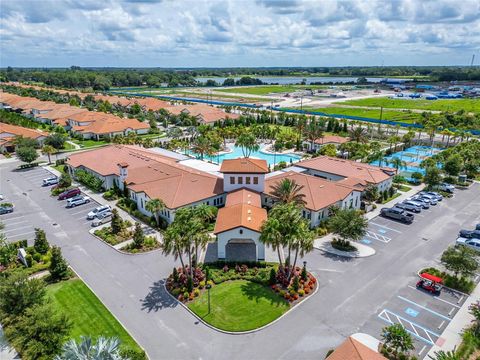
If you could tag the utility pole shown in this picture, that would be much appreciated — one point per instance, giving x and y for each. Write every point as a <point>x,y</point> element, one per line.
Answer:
<point>271,111</point>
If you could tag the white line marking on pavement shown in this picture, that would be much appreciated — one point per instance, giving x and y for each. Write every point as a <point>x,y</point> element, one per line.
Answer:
<point>378,237</point>
<point>12,218</point>
<point>17,222</point>
<point>385,227</point>
<point>78,212</point>
<point>451,311</point>
<point>446,302</point>
<point>423,307</point>
<point>460,300</point>
<point>30,232</point>
<point>423,349</point>
<point>439,326</point>
<point>16,229</point>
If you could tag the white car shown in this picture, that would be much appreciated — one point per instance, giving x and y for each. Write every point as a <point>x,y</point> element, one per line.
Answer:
<point>100,210</point>
<point>50,181</point>
<point>471,243</point>
<point>447,187</point>
<point>77,200</point>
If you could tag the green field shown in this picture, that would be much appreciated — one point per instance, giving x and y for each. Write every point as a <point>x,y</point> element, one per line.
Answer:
<point>392,115</point>
<point>87,313</point>
<point>269,89</point>
<point>239,305</point>
<point>89,143</point>
<point>453,105</point>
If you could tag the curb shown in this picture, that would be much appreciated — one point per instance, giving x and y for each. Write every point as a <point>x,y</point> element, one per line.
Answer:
<point>344,253</point>
<point>248,331</point>
<point>118,250</point>
<point>111,313</point>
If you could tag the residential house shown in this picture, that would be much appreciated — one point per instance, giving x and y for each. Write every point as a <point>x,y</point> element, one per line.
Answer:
<point>9,132</point>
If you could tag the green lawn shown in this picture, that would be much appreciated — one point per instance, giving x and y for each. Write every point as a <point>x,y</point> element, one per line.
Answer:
<point>392,115</point>
<point>239,305</point>
<point>87,313</point>
<point>89,143</point>
<point>454,105</point>
<point>59,168</point>
<point>268,89</point>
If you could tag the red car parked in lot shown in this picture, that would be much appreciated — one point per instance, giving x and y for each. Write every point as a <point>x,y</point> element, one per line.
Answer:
<point>67,194</point>
<point>430,283</point>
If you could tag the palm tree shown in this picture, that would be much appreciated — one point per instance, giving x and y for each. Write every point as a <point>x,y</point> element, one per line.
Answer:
<point>313,132</point>
<point>358,134</point>
<point>248,143</point>
<point>397,163</point>
<point>202,146</point>
<point>48,150</point>
<point>173,243</point>
<point>103,349</point>
<point>393,140</point>
<point>288,191</point>
<point>155,206</point>
<point>445,355</point>
<point>302,243</point>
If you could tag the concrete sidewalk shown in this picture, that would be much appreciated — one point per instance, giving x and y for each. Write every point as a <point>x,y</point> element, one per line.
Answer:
<point>402,197</point>
<point>452,335</point>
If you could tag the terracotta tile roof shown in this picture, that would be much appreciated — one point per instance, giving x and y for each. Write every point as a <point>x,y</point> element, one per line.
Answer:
<point>21,131</point>
<point>244,166</point>
<point>152,103</point>
<point>355,182</point>
<point>319,193</point>
<point>332,139</point>
<point>156,175</point>
<point>61,112</point>
<point>204,112</point>
<point>347,168</point>
<point>352,349</point>
<point>111,125</point>
<point>240,213</point>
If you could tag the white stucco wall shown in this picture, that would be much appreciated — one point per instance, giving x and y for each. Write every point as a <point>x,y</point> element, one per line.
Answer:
<point>228,186</point>
<point>243,234</point>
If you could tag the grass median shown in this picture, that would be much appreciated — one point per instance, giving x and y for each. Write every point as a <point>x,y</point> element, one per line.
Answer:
<point>88,314</point>
<point>239,305</point>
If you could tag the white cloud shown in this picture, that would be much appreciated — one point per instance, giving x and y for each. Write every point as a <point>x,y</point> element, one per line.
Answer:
<point>237,33</point>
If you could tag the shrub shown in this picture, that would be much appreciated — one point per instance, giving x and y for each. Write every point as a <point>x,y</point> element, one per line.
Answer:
<point>132,354</point>
<point>273,277</point>
<point>41,244</point>
<point>189,284</point>
<point>186,295</point>
<point>37,257</point>
<point>29,260</point>
<point>196,292</point>
<point>175,274</point>
<point>304,275</point>
<point>301,292</point>
<point>343,245</point>
<point>138,236</point>
<point>89,180</point>
<point>201,284</point>
<point>295,283</point>
<point>58,266</point>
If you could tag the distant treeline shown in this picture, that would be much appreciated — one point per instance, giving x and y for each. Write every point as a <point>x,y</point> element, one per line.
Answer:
<point>105,78</point>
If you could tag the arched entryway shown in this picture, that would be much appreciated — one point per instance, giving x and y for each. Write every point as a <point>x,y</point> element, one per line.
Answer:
<point>241,250</point>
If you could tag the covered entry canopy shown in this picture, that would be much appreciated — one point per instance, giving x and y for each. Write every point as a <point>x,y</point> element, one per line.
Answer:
<point>241,250</point>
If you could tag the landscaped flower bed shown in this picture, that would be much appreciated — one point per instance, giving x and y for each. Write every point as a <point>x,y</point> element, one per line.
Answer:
<point>272,281</point>
<point>109,237</point>
<point>150,243</point>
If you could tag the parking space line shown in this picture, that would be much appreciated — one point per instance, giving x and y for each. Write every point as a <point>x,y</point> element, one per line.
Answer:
<point>16,229</point>
<point>385,315</point>
<point>378,237</point>
<point>15,217</point>
<point>30,232</point>
<point>79,212</point>
<point>423,307</point>
<point>13,223</point>
<point>386,227</point>
<point>447,302</point>
<point>441,324</point>
<point>423,349</point>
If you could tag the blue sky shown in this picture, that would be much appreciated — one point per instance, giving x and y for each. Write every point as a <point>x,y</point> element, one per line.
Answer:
<point>169,33</point>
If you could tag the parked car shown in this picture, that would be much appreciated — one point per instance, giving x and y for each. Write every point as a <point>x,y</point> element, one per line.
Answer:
<point>397,214</point>
<point>437,196</point>
<point>422,204</point>
<point>470,234</point>
<point>471,243</point>
<point>50,181</point>
<point>6,208</point>
<point>102,219</point>
<point>77,200</point>
<point>100,210</point>
<point>446,187</point>
<point>1,197</point>
<point>425,199</point>
<point>408,207</point>
<point>432,198</point>
<point>67,194</point>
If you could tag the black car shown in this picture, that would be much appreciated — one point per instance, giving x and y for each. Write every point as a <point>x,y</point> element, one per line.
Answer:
<point>470,234</point>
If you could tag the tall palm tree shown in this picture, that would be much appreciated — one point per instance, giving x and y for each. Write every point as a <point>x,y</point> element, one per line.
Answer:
<point>86,349</point>
<point>173,244</point>
<point>155,206</point>
<point>48,150</point>
<point>248,143</point>
<point>358,134</point>
<point>288,191</point>
<point>397,163</point>
<point>202,146</point>
<point>313,132</point>
<point>302,243</point>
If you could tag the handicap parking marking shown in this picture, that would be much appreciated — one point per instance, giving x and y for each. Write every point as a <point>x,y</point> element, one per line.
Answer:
<point>385,227</point>
<point>418,331</point>
<point>366,241</point>
<point>424,308</point>
<point>411,312</point>
<point>378,237</point>
<point>382,231</point>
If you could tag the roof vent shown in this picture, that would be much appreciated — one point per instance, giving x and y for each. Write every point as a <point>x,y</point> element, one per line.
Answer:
<point>249,211</point>
<point>249,218</point>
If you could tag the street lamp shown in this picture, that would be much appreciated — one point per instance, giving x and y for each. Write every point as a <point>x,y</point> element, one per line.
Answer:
<point>208,289</point>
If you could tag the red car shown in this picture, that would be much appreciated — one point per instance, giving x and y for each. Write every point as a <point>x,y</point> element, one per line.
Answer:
<point>430,283</point>
<point>67,194</point>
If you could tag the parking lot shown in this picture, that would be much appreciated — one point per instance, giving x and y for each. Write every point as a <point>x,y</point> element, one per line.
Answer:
<point>17,225</point>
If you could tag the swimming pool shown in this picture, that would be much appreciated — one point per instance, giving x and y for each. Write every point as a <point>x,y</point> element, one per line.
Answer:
<point>412,156</point>
<point>237,152</point>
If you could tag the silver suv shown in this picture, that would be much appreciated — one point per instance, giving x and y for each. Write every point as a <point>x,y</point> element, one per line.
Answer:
<point>102,219</point>
<point>100,210</point>
<point>77,200</point>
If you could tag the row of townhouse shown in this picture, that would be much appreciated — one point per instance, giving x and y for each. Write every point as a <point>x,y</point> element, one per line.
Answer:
<point>8,133</point>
